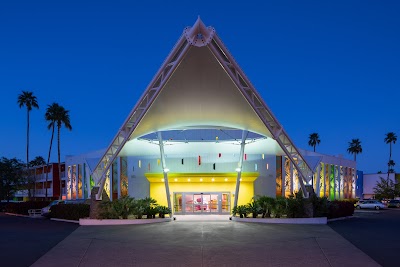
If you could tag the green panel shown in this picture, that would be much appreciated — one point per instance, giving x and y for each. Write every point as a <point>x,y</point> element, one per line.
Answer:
<point>332,183</point>
<point>85,191</point>
<point>91,183</point>
<point>80,193</point>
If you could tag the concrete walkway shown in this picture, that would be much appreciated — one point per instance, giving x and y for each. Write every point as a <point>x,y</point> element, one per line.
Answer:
<point>205,243</point>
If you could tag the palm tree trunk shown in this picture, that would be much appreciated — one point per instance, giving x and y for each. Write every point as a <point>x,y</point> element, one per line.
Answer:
<point>27,156</point>
<point>59,164</point>
<point>27,142</point>
<point>390,154</point>
<point>314,148</point>
<point>48,160</point>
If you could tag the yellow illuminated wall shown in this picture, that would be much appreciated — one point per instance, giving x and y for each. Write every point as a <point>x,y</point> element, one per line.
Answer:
<point>246,191</point>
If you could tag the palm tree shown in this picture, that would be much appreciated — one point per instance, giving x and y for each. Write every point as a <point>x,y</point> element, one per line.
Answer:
<point>61,117</point>
<point>28,100</point>
<point>389,139</point>
<point>314,140</point>
<point>355,147</point>
<point>50,116</point>
<point>391,164</point>
<point>37,161</point>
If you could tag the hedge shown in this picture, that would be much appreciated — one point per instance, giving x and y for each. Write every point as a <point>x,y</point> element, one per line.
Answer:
<point>340,208</point>
<point>70,211</point>
<point>23,207</point>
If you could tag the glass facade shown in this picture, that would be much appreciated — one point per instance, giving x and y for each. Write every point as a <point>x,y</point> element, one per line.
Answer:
<point>201,203</point>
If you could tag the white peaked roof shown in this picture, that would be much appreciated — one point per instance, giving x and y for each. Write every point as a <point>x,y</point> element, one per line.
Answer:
<point>200,86</point>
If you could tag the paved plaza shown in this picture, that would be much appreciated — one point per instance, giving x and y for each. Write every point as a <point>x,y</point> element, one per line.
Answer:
<point>205,243</point>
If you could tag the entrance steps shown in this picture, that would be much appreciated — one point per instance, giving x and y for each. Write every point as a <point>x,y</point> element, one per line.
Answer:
<point>210,218</point>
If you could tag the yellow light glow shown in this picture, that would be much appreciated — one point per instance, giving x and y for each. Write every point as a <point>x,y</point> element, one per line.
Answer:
<point>162,180</point>
<point>176,180</point>
<point>226,179</point>
<point>240,179</point>
<point>189,180</point>
<point>201,179</point>
<point>213,179</point>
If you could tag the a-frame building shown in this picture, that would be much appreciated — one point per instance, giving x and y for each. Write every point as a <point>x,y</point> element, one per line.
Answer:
<point>201,91</point>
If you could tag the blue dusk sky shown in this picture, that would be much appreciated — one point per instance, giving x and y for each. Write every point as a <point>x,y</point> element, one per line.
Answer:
<point>331,67</point>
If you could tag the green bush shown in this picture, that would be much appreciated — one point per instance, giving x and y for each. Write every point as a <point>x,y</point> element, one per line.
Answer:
<point>23,207</point>
<point>280,207</point>
<point>340,208</point>
<point>242,210</point>
<point>266,205</point>
<point>320,206</point>
<point>150,205</point>
<point>70,211</point>
<point>117,209</point>
<point>352,200</point>
<point>254,208</point>
<point>124,207</point>
<point>296,206</point>
<point>162,210</point>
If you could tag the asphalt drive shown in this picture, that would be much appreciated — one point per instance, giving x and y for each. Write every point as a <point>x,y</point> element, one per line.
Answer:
<point>376,233</point>
<point>24,240</point>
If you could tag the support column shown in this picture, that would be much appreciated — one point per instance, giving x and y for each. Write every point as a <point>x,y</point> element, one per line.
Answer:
<point>119,178</point>
<point>337,181</point>
<point>317,180</point>
<point>291,185</point>
<point>353,183</point>
<point>165,170</point>
<point>244,136</point>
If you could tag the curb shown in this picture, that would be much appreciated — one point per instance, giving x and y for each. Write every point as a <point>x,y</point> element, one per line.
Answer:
<point>341,218</point>
<point>22,215</point>
<point>318,220</point>
<point>89,222</point>
<point>366,211</point>
<point>63,220</point>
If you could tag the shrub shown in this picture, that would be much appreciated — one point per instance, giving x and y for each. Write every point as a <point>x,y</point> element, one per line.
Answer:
<point>280,207</point>
<point>139,208</point>
<point>266,205</point>
<point>352,200</point>
<point>320,206</point>
<point>70,211</point>
<point>149,205</point>
<point>118,209</point>
<point>162,210</point>
<point>23,207</point>
<point>296,206</point>
<point>242,210</point>
<point>254,208</point>
<point>340,208</point>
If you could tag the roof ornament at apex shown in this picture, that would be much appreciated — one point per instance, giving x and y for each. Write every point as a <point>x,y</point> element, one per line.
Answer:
<point>199,35</point>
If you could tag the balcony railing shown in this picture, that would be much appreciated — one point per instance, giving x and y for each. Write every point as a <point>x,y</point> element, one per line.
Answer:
<point>42,192</point>
<point>42,176</point>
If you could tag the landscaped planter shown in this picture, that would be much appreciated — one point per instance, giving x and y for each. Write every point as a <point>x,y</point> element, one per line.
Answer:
<point>121,221</point>
<point>320,220</point>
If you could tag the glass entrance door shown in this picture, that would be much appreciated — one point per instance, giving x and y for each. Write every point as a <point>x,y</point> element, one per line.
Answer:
<point>201,203</point>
